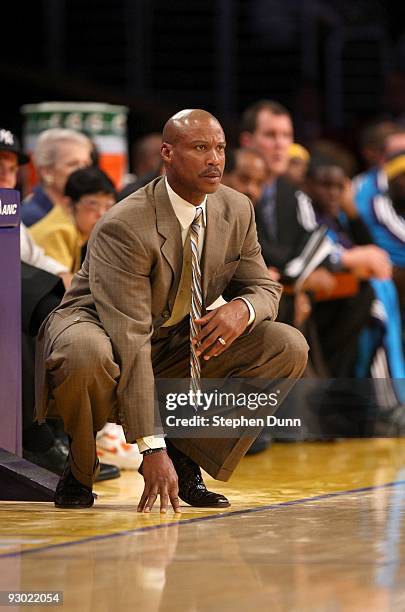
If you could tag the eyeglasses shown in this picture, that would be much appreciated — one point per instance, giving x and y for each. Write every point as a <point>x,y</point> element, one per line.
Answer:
<point>93,205</point>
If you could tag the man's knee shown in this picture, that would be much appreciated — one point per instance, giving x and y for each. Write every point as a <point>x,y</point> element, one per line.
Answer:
<point>287,342</point>
<point>83,353</point>
<point>296,347</point>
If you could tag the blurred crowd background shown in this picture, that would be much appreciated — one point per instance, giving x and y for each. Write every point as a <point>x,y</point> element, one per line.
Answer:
<point>336,65</point>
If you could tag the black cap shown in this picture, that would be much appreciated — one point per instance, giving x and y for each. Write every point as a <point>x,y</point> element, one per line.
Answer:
<point>9,142</point>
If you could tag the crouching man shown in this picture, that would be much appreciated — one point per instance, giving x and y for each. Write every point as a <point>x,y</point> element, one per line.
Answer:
<point>136,311</point>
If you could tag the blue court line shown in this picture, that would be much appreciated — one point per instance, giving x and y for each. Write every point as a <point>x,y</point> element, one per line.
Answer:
<point>180,522</point>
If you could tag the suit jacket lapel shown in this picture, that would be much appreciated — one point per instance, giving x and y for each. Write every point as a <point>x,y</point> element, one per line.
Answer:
<point>169,229</point>
<point>215,244</point>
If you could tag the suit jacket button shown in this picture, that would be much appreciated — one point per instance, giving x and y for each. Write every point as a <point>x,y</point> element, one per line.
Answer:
<point>166,314</point>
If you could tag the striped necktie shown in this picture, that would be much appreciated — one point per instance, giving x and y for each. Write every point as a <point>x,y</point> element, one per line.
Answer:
<point>196,300</point>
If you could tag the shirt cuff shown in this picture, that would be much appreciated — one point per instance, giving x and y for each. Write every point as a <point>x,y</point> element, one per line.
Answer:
<point>252,314</point>
<point>150,442</point>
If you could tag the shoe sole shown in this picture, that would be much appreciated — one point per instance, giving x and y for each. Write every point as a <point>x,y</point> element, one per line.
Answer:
<point>74,507</point>
<point>209,506</point>
<point>217,506</point>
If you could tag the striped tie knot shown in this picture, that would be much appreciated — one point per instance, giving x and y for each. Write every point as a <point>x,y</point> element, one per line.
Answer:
<point>197,217</point>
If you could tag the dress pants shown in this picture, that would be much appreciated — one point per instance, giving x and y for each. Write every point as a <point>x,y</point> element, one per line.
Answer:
<point>83,382</point>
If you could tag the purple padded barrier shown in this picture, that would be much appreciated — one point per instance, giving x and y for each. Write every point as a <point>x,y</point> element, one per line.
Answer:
<point>10,322</point>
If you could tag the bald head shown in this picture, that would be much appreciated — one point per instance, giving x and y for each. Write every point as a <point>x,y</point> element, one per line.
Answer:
<point>185,120</point>
<point>193,152</point>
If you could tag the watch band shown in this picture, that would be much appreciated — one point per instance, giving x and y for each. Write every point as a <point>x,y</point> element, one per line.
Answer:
<point>150,451</point>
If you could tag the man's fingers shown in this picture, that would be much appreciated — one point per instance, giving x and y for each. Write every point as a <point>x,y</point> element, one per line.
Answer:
<point>204,331</point>
<point>209,341</point>
<point>206,317</point>
<point>213,352</point>
<point>151,500</point>
<point>174,497</point>
<point>143,499</point>
<point>148,500</point>
<point>175,501</point>
<point>164,500</point>
<point>218,348</point>
<point>160,478</point>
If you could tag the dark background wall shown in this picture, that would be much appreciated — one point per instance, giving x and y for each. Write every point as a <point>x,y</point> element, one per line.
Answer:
<point>336,64</point>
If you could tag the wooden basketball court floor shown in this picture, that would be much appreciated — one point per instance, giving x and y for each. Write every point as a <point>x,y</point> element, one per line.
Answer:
<point>314,527</point>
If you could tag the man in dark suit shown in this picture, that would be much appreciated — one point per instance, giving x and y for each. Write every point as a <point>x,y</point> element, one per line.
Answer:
<point>126,320</point>
<point>267,127</point>
<point>283,226</point>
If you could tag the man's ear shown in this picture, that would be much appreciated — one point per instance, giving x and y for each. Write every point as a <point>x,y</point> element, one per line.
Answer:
<point>166,152</point>
<point>246,139</point>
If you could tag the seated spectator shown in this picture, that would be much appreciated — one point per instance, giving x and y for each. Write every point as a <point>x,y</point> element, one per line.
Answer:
<point>267,127</point>
<point>38,440</point>
<point>325,147</point>
<point>11,157</point>
<point>332,198</point>
<point>380,202</point>
<point>64,232</point>
<point>58,152</point>
<point>286,226</point>
<point>43,281</point>
<point>246,171</point>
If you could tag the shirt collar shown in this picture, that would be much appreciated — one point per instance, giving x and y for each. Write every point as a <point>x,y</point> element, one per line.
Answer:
<point>184,211</point>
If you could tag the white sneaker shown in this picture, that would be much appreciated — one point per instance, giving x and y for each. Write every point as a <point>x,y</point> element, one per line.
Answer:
<point>112,448</point>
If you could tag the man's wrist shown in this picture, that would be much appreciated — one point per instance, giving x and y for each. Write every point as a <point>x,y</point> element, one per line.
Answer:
<point>151,451</point>
<point>252,314</point>
<point>150,442</point>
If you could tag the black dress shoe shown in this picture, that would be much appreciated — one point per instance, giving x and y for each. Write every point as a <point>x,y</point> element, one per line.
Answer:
<point>192,489</point>
<point>108,472</point>
<point>54,459</point>
<point>70,493</point>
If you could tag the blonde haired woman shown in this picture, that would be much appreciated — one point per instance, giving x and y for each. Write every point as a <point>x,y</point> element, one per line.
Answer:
<point>58,153</point>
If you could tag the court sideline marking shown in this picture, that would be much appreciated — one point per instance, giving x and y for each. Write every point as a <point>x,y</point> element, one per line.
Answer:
<point>203,518</point>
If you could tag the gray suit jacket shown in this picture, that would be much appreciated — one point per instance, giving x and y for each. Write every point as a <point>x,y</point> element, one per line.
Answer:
<point>128,284</point>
